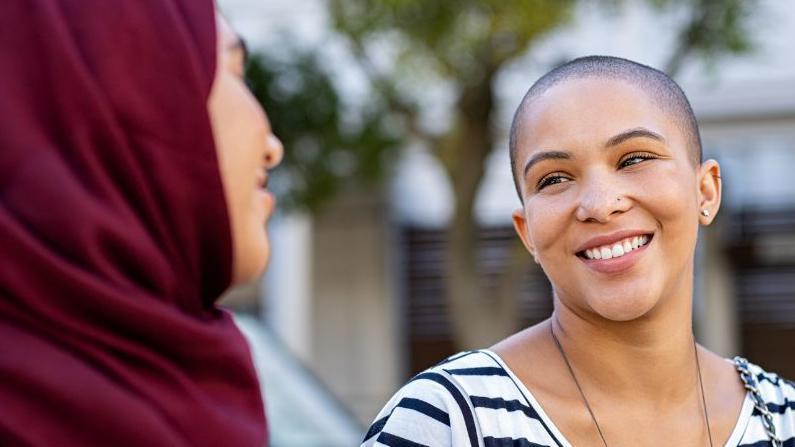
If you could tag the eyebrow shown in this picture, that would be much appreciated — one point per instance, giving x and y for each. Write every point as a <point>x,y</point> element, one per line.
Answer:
<point>548,155</point>
<point>639,132</point>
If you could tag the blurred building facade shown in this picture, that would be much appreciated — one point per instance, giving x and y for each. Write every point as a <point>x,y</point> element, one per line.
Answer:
<point>356,294</point>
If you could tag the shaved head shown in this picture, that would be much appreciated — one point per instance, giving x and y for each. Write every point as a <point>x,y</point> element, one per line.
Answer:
<point>663,91</point>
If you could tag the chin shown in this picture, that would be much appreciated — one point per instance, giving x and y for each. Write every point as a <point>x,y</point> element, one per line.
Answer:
<point>252,260</point>
<point>621,313</point>
<point>622,307</point>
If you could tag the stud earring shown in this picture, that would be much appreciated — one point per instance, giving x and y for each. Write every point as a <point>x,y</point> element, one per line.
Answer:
<point>705,212</point>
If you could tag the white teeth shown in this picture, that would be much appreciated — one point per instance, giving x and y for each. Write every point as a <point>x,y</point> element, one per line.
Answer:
<point>617,249</point>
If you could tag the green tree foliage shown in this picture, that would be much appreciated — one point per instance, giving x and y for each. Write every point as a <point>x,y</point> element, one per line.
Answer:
<point>329,145</point>
<point>714,28</point>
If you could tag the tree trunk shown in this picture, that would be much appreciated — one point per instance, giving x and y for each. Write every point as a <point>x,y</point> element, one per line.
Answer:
<point>478,319</point>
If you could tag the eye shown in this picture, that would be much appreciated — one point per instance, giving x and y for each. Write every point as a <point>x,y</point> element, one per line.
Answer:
<point>635,158</point>
<point>551,179</point>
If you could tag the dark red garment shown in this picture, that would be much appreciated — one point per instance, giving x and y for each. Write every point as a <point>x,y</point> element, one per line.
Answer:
<point>114,234</point>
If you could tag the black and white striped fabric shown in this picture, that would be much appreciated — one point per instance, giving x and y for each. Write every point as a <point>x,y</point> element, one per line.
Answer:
<point>473,399</point>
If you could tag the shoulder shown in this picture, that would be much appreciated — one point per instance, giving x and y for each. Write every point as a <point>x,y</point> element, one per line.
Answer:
<point>467,398</point>
<point>433,408</point>
<point>772,387</point>
<point>778,396</point>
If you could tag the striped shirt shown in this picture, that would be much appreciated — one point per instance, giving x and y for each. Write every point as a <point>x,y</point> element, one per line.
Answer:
<point>474,399</point>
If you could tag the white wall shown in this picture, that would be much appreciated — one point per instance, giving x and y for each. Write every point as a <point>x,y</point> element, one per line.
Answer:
<point>288,282</point>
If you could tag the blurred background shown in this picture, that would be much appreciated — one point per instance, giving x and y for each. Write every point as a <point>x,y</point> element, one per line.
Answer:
<point>395,117</point>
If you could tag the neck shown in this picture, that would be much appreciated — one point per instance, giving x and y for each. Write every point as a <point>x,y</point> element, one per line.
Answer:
<point>652,356</point>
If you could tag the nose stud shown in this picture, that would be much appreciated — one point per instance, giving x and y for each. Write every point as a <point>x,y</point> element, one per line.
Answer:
<point>705,212</point>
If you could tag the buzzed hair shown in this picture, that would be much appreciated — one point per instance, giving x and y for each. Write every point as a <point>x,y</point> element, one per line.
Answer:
<point>659,86</point>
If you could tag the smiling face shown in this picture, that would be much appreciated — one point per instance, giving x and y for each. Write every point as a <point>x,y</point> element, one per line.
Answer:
<point>612,197</point>
<point>246,149</point>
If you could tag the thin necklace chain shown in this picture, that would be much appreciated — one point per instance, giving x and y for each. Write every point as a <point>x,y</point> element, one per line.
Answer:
<point>588,406</point>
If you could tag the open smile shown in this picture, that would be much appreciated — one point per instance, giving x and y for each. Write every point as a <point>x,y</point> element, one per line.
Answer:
<point>616,253</point>
<point>617,249</point>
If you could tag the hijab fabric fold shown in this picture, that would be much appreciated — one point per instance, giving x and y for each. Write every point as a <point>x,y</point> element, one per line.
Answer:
<point>114,232</point>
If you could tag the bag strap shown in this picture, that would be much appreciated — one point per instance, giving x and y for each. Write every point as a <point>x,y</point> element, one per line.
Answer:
<point>752,385</point>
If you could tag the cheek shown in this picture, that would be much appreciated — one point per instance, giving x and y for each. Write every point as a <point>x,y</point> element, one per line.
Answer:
<point>240,136</point>
<point>670,194</point>
<point>240,121</point>
<point>670,197</point>
<point>548,218</point>
<point>239,128</point>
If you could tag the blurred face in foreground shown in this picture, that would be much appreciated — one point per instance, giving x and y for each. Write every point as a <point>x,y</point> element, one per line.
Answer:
<point>612,198</point>
<point>247,149</point>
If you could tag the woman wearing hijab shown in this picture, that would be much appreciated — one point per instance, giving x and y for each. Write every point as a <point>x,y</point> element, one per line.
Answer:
<point>606,157</point>
<point>133,166</point>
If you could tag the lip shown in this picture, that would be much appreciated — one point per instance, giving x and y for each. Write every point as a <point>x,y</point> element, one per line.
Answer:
<point>268,201</point>
<point>609,239</point>
<point>262,179</point>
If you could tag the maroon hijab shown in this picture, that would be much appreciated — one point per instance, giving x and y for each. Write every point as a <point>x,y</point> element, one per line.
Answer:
<point>114,235</point>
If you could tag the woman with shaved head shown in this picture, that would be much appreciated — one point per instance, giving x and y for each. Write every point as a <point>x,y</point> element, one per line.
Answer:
<point>606,157</point>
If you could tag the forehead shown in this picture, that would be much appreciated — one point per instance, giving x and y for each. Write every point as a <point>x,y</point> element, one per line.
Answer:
<point>589,111</point>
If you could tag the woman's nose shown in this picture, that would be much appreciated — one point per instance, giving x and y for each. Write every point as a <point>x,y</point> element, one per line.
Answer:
<point>599,201</point>
<point>274,152</point>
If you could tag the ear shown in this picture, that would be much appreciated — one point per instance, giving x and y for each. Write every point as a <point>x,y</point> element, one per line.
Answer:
<point>709,189</point>
<point>520,225</point>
